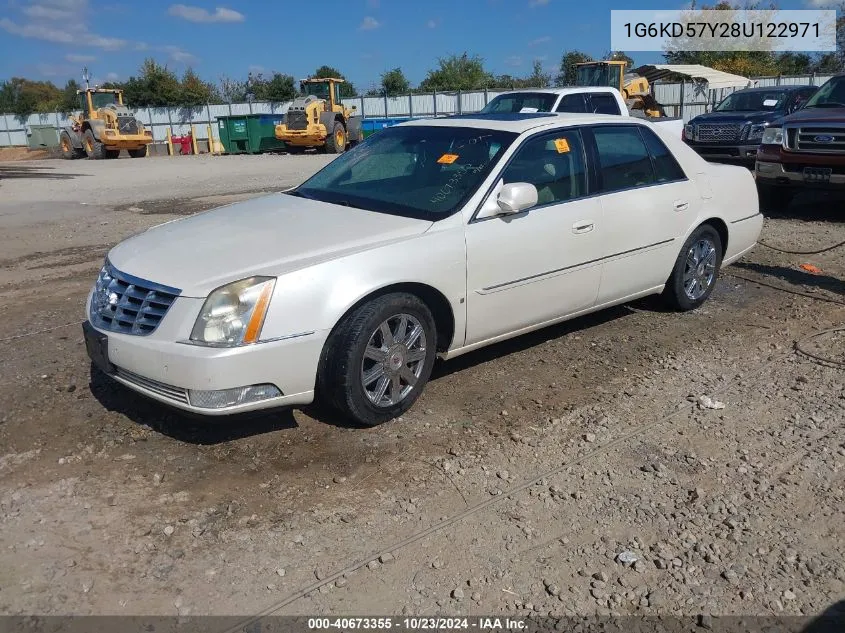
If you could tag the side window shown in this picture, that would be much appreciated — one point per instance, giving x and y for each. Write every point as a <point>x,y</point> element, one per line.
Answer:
<point>554,163</point>
<point>666,168</point>
<point>603,103</point>
<point>624,161</point>
<point>572,103</point>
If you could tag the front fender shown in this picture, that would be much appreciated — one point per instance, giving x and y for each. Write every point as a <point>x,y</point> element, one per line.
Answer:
<point>315,298</point>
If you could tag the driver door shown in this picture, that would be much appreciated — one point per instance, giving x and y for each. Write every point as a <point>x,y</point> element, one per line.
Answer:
<point>535,266</point>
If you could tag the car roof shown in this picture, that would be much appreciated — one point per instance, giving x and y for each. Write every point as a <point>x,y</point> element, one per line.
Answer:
<point>775,88</point>
<point>518,122</point>
<point>560,91</point>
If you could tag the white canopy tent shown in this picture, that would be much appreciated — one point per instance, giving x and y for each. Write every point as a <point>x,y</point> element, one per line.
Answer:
<point>715,79</point>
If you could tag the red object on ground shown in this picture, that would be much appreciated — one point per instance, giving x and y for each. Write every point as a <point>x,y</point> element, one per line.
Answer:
<point>184,143</point>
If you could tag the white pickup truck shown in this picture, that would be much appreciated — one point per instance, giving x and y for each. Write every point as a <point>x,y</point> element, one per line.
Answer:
<point>592,99</point>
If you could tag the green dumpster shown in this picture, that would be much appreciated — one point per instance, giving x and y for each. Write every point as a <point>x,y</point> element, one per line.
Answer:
<point>41,136</point>
<point>249,133</point>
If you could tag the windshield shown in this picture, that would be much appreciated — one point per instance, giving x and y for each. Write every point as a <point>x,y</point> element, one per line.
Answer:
<point>320,90</point>
<point>753,101</point>
<point>420,171</point>
<point>609,75</point>
<point>831,94</point>
<point>521,102</point>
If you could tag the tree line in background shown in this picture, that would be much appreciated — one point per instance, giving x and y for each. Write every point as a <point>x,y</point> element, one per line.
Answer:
<point>156,85</point>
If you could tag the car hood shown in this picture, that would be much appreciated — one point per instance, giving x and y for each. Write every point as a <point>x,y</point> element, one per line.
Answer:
<point>820,115</point>
<point>271,235</point>
<point>762,116</point>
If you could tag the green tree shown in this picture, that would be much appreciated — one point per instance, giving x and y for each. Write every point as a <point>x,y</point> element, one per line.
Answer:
<point>155,86</point>
<point>566,77</point>
<point>538,78</point>
<point>621,56</point>
<point>790,63</point>
<point>22,97</point>
<point>457,72</point>
<point>347,89</point>
<point>278,88</point>
<point>394,82</point>
<point>69,101</point>
<point>193,91</point>
<point>232,90</point>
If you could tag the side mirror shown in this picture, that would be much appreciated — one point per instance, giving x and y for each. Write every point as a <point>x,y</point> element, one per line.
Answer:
<point>517,196</point>
<point>508,199</point>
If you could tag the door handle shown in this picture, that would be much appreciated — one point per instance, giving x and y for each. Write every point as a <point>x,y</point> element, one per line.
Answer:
<point>680,205</point>
<point>582,226</point>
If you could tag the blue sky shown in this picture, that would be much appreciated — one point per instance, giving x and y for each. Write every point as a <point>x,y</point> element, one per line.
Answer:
<point>53,39</point>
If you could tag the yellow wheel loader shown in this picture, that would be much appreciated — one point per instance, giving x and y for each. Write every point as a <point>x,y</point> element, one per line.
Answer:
<point>103,128</point>
<point>318,119</point>
<point>635,89</point>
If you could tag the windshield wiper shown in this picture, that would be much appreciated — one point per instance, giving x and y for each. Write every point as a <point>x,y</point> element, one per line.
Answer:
<point>827,104</point>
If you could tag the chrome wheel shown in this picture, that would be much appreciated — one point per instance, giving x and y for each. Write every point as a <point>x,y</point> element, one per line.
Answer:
<point>700,269</point>
<point>393,360</point>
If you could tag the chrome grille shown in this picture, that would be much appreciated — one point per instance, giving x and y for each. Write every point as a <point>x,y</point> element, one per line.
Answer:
<point>827,138</point>
<point>176,394</point>
<point>296,120</point>
<point>712,133</point>
<point>123,303</point>
<point>127,125</point>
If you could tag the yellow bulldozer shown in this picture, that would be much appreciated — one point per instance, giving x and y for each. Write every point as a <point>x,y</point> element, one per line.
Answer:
<point>317,118</point>
<point>634,88</point>
<point>103,128</point>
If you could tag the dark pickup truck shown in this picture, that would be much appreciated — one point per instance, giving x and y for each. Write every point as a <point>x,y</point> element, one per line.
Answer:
<point>805,149</point>
<point>733,131</point>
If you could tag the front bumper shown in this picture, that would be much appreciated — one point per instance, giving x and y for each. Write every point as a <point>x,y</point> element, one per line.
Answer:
<point>175,373</point>
<point>126,141</point>
<point>782,175</point>
<point>312,135</point>
<point>731,152</point>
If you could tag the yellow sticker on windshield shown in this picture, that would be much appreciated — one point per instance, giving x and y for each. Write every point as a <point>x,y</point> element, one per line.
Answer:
<point>562,145</point>
<point>447,159</point>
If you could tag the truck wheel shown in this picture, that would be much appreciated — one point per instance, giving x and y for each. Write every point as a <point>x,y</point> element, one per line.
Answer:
<point>93,148</point>
<point>112,153</point>
<point>774,199</point>
<point>141,152</point>
<point>68,152</point>
<point>336,143</point>
<point>294,149</point>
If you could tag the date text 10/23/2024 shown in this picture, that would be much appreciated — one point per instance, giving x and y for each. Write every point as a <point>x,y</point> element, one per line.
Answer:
<point>416,623</point>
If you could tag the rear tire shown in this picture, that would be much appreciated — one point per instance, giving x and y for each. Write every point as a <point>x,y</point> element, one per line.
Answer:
<point>377,360</point>
<point>336,142</point>
<point>294,149</point>
<point>774,199</point>
<point>93,148</point>
<point>141,152</point>
<point>68,151</point>
<point>112,153</point>
<point>696,270</point>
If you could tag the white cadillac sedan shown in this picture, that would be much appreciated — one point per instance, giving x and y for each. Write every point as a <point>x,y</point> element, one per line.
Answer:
<point>432,238</point>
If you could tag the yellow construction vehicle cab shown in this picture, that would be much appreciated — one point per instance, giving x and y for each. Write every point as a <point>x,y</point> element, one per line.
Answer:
<point>317,118</point>
<point>635,89</point>
<point>103,128</point>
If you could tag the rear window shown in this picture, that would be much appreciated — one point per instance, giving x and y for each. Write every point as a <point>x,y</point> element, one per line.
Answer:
<point>624,161</point>
<point>666,168</point>
<point>572,103</point>
<point>604,103</point>
<point>521,102</point>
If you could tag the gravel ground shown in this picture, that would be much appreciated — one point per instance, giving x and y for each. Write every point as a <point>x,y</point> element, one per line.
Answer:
<point>636,461</point>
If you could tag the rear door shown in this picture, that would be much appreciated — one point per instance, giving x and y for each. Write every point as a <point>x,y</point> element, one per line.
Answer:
<point>648,204</point>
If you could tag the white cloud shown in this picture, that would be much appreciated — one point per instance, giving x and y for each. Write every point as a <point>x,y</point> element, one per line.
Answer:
<point>255,68</point>
<point>41,12</point>
<point>79,59</point>
<point>540,40</point>
<point>513,60</point>
<point>432,24</point>
<point>198,14</point>
<point>112,77</point>
<point>538,3</point>
<point>819,4</point>
<point>178,55</point>
<point>369,24</point>
<point>373,4</point>
<point>48,33</point>
<point>541,58</point>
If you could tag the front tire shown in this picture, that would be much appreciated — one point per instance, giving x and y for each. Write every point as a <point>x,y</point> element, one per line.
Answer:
<point>336,142</point>
<point>695,271</point>
<point>93,148</point>
<point>774,199</point>
<point>141,152</point>
<point>112,153</point>
<point>378,359</point>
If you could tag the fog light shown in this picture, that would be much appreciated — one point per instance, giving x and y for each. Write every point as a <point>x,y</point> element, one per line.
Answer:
<point>222,398</point>
<point>767,168</point>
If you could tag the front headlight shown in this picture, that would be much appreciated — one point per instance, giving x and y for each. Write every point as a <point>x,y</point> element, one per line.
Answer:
<point>689,130</point>
<point>234,314</point>
<point>757,130</point>
<point>773,136</point>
